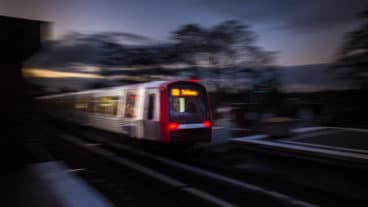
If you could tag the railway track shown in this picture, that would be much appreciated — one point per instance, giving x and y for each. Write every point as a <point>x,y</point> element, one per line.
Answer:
<point>178,181</point>
<point>186,170</point>
<point>298,187</point>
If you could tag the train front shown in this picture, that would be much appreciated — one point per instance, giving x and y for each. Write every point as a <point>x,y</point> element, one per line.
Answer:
<point>185,113</point>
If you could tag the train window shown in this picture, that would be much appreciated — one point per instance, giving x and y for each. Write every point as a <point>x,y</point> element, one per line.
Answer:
<point>151,106</point>
<point>188,103</point>
<point>81,103</point>
<point>107,105</point>
<point>130,104</point>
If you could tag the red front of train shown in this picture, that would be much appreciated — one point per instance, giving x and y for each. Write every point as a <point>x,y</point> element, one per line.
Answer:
<point>185,114</point>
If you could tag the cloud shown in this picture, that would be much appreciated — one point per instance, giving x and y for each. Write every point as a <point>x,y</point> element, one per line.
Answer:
<point>121,37</point>
<point>299,16</point>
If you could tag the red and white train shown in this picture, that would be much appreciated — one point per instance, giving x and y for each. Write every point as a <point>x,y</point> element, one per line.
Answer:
<point>162,111</point>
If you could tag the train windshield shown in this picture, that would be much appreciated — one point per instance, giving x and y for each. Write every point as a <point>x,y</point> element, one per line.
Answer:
<point>188,103</point>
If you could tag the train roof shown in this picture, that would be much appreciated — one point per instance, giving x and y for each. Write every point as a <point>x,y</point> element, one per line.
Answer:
<point>152,84</point>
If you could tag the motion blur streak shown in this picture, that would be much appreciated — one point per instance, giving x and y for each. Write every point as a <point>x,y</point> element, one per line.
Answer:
<point>43,73</point>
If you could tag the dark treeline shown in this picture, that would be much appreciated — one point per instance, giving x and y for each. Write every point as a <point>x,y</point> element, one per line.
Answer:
<point>353,56</point>
<point>227,44</point>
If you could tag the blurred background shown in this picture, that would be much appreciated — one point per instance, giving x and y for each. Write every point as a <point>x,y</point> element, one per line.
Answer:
<point>302,61</point>
<point>287,82</point>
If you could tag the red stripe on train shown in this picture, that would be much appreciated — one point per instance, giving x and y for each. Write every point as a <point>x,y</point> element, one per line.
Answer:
<point>164,114</point>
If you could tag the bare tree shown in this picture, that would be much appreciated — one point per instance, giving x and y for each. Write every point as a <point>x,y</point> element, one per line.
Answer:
<point>229,44</point>
<point>353,56</point>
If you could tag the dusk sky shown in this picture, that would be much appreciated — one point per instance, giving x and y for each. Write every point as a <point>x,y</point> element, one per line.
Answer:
<point>304,32</point>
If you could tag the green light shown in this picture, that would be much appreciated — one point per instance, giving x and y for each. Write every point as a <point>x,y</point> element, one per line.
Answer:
<point>181,105</point>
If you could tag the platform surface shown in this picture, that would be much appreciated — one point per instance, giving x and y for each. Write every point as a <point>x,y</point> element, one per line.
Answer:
<point>47,184</point>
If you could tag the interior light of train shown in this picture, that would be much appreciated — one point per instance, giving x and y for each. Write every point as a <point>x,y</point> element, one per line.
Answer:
<point>105,99</point>
<point>105,104</point>
<point>181,105</point>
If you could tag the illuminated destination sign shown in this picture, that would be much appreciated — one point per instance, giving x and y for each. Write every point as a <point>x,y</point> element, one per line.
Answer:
<point>175,92</point>
<point>188,92</point>
<point>183,92</point>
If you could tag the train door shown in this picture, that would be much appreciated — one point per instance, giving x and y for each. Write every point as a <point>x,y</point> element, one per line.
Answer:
<point>150,116</point>
<point>130,113</point>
